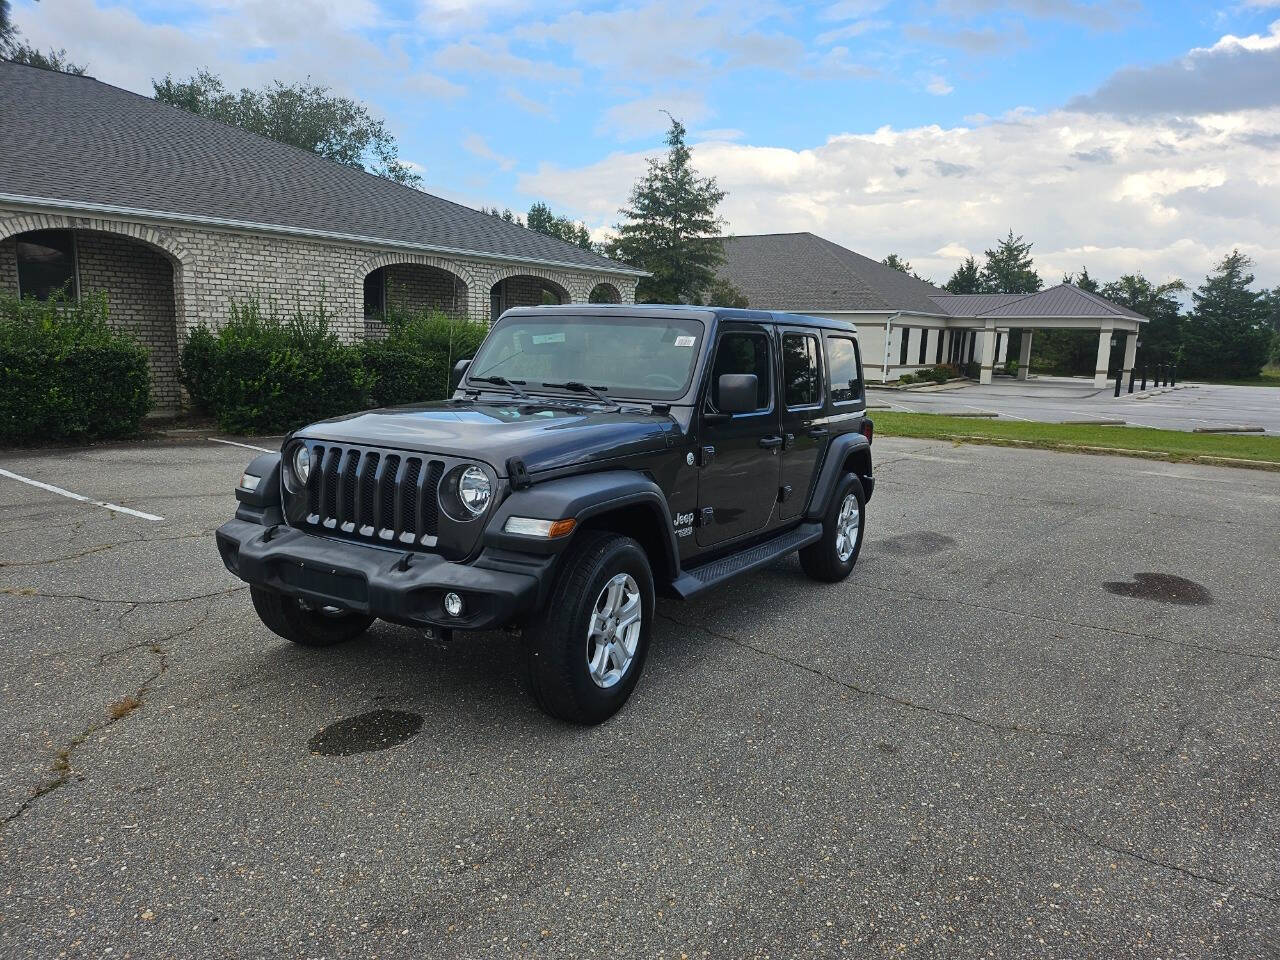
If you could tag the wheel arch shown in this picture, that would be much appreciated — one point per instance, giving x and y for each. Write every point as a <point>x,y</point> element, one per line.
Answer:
<point>848,453</point>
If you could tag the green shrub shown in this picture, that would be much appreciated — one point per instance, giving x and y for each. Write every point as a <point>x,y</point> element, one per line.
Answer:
<point>66,375</point>
<point>264,372</point>
<point>415,360</point>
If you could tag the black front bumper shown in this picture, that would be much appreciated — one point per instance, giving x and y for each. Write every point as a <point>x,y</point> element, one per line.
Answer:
<point>407,589</point>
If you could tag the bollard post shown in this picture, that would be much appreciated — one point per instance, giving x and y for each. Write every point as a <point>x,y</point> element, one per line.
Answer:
<point>1173,375</point>
<point>1160,375</point>
<point>1119,381</point>
<point>1131,376</point>
<point>1144,379</point>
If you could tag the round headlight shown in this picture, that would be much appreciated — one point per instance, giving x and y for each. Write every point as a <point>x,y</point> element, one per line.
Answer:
<point>302,463</point>
<point>474,490</point>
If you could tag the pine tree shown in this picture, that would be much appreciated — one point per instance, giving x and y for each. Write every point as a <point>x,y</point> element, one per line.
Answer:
<point>671,227</point>
<point>1009,268</point>
<point>1226,334</point>
<point>1083,281</point>
<point>542,220</point>
<point>965,279</point>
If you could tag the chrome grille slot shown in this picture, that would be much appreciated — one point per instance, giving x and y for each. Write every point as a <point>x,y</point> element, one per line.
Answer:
<point>382,497</point>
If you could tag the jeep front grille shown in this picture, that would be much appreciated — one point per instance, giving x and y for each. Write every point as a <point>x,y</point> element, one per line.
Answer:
<point>380,496</point>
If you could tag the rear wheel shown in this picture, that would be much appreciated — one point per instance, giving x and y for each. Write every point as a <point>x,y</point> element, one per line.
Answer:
<point>587,652</point>
<point>832,558</point>
<point>306,625</point>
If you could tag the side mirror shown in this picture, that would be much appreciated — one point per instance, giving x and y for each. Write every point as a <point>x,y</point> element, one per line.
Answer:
<point>737,392</point>
<point>459,371</point>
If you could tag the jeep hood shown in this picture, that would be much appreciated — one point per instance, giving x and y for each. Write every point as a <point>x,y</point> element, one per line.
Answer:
<point>546,436</point>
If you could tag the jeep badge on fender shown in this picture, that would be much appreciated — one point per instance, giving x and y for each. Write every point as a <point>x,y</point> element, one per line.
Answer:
<point>591,458</point>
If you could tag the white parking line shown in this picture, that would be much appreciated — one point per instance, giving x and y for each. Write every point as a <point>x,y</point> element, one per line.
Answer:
<point>75,496</point>
<point>247,446</point>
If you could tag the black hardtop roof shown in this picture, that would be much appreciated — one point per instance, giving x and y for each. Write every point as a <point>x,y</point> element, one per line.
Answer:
<point>707,314</point>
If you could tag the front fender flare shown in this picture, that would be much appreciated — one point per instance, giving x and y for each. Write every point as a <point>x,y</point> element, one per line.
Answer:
<point>581,498</point>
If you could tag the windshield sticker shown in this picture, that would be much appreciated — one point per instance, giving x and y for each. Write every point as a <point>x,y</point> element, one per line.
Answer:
<point>548,338</point>
<point>686,341</point>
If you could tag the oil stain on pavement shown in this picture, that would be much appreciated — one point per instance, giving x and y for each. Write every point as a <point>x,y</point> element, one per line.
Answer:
<point>1162,587</point>
<point>376,730</point>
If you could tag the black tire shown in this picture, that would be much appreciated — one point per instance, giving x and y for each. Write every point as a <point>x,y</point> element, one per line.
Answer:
<point>286,617</point>
<point>821,560</point>
<point>559,644</point>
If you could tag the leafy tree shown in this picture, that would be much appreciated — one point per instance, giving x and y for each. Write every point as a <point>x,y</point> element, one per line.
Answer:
<point>1226,333</point>
<point>1083,280</point>
<point>901,265</point>
<point>671,227</point>
<point>503,214</point>
<point>1271,304</point>
<point>1162,337</point>
<point>1009,268</point>
<point>19,51</point>
<point>965,279</point>
<point>542,220</point>
<point>721,293</point>
<point>307,115</point>
<point>46,60</point>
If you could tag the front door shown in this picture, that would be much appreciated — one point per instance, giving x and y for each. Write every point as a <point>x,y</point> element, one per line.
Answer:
<point>804,428</point>
<point>738,481</point>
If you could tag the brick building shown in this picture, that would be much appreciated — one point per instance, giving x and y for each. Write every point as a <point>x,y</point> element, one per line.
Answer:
<point>174,216</point>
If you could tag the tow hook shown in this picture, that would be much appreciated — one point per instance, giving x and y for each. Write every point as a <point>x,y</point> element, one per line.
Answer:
<point>405,562</point>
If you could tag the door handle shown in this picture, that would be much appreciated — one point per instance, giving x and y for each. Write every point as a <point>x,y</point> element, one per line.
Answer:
<point>818,431</point>
<point>770,443</point>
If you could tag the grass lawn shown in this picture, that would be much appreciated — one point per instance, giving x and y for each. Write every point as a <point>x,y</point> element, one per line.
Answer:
<point>1174,444</point>
<point>1270,377</point>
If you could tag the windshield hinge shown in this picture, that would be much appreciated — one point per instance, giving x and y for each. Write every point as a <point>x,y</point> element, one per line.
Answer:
<point>518,473</point>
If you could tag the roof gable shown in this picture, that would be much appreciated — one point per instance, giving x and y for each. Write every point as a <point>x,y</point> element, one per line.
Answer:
<point>83,142</point>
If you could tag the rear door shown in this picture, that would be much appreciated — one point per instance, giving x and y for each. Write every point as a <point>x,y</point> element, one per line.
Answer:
<point>738,481</point>
<point>804,425</point>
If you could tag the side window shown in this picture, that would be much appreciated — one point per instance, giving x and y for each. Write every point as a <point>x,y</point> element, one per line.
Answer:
<point>846,370</point>
<point>744,353</point>
<point>801,371</point>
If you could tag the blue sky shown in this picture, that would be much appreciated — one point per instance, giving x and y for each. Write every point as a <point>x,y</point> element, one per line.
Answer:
<point>1121,134</point>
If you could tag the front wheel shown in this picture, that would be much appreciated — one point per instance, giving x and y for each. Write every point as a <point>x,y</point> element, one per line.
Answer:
<point>586,653</point>
<point>832,558</point>
<point>303,624</point>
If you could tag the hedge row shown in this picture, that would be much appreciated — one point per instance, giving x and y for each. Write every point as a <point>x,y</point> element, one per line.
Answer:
<point>66,375</point>
<point>264,372</point>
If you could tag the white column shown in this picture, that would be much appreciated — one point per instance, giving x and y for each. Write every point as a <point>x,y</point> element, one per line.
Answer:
<point>988,352</point>
<point>1024,355</point>
<point>1130,352</point>
<point>1104,357</point>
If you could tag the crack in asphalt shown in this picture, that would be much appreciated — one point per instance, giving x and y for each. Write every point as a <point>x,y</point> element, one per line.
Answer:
<point>33,592</point>
<point>992,608</point>
<point>1164,864</point>
<point>889,697</point>
<point>102,548</point>
<point>62,768</point>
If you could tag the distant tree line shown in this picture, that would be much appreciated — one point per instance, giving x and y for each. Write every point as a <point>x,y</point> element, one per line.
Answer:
<point>1231,330</point>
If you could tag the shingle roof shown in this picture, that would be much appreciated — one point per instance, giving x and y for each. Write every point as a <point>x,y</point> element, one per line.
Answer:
<point>81,141</point>
<point>801,271</point>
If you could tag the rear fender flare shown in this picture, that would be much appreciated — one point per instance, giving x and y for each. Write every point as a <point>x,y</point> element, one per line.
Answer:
<point>833,467</point>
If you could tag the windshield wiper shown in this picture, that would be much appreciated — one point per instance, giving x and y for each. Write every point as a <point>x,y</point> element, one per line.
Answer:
<point>512,385</point>
<point>581,387</point>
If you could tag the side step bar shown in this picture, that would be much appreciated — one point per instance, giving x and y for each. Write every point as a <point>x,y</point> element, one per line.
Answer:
<point>693,581</point>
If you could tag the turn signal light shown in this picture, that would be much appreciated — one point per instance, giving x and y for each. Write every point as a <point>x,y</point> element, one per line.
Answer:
<point>868,429</point>
<point>533,527</point>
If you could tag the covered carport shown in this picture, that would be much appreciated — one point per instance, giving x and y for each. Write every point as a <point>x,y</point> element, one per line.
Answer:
<point>1064,307</point>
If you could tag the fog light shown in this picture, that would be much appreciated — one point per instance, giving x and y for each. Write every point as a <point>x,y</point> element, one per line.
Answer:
<point>453,604</point>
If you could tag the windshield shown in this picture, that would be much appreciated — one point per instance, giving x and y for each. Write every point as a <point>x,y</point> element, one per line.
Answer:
<point>648,357</point>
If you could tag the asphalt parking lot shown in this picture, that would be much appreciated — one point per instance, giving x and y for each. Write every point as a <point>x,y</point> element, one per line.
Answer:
<point>1040,719</point>
<point>1059,399</point>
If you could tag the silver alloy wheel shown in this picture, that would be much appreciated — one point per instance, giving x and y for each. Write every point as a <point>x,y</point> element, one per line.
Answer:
<point>614,631</point>
<point>847,527</point>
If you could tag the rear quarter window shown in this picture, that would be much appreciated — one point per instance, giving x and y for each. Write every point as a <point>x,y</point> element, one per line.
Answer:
<point>845,365</point>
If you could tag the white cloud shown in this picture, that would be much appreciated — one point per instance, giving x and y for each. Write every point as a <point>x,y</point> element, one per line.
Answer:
<point>493,57</point>
<point>938,86</point>
<point>1236,73</point>
<point>478,146</point>
<point>646,116</point>
<point>1168,198</point>
<point>850,30</point>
